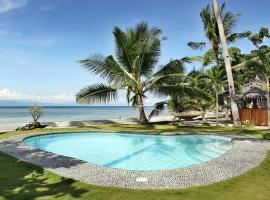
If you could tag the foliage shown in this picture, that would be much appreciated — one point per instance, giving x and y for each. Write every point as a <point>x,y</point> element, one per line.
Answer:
<point>182,88</point>
<point>260,64</point>
<point>266,136</point>
<point>247,123</point>
<point>212,33</point>
<point>260,67</point>
<point>36,112</point>
<point>236,56</point>
<point>132,70</point>
<point>216,78</point>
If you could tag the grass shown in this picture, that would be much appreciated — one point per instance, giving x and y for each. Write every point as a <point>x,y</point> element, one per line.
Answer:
<point>259,133</point>
<point>24,181</point>
<point>20,180</point>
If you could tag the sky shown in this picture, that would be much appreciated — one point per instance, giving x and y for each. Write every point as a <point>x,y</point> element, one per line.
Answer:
<point>42,40</point>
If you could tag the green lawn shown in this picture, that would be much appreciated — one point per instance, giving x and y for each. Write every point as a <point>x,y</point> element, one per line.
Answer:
<point>259,133</point>
<point>20,180</point>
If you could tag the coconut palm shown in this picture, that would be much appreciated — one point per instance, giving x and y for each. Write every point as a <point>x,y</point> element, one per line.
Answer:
<point>223,32</point>
<point>216,79</point>
<point>137,53</point>
<point>182,88</point>
<point>206,101</point>
<point>261,65</point>
<point>211,29</point>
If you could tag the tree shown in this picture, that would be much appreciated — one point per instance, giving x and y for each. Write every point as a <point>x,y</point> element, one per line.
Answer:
<point>183,89</point>
<point>216,79</point>
<point>202,102</point>
<point>226,56</point>
<point>132,70</point>
<point>175,84</point>
<point>36,112</point>
<point>261,65</point>
<point>212,32</point>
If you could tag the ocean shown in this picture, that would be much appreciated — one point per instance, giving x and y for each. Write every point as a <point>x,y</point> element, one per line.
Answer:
<point>11,116</point>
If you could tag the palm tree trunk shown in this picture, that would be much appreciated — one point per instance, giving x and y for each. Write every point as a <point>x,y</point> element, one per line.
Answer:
<point>203,116</point>
<point>268,102</point>
<point>227,61</point>
<point>142,118</point>
<point>215,49</point>
<point>217,112</point>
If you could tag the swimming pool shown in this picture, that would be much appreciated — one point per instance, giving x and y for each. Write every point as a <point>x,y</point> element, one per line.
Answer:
<point>134,151</point>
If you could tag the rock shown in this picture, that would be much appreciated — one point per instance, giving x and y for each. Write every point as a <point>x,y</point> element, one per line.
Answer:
<point>31,126</point>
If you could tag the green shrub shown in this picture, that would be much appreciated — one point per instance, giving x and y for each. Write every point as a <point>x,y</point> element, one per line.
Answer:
<point>247,123</point>
<point>266,136</point>
<point>36,112</point>
<point>206,124</point>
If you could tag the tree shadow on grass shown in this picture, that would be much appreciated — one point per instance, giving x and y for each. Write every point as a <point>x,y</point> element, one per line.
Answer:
<point>20,180</point>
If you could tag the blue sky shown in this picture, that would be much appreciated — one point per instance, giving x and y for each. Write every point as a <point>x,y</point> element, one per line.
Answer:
<point>41,40</point>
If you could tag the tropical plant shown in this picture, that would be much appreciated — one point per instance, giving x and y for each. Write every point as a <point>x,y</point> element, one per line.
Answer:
<point>183,89</point>
<point>202,102</point>
<point>223,32</point>
<point>211,30</point>
<point>175,84</point>
<point>132,70</point>
<point>36,112</point>
<point>260,66</point>
<point>217,80</point>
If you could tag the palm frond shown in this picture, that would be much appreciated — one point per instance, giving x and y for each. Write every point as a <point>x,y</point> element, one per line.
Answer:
<point>236,36</point>
<point>173,67</point>
<point>190,59</point>
<point>138,48</point>
<point>196,45</point>
<point>96,93</point>
<point>158,108</point>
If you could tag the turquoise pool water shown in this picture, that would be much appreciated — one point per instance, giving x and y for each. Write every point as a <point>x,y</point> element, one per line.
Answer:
<point>134,151</point>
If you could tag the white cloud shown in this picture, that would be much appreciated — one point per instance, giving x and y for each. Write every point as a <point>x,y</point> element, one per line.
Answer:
<point>64,97</point>
<point>7,5</point>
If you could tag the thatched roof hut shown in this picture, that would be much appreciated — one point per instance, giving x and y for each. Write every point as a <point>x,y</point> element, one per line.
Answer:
<point>254,91</point>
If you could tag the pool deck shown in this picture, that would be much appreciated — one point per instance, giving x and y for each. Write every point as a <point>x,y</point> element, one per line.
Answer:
<point>245,154</point>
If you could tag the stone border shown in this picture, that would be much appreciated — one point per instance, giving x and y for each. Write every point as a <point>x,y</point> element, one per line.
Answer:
<point>245,154</point>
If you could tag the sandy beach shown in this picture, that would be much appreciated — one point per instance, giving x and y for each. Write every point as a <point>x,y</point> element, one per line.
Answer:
<point>82,123</point>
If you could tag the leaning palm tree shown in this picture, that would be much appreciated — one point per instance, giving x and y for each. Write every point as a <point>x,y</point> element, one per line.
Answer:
<point>132,69</point>
<point>223,32</point>
<point>261,65</point>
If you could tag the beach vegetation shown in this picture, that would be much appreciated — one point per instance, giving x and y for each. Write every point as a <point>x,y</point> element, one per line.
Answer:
<point>36,112</point>
<point>260,66</point>
<point>137,52</point>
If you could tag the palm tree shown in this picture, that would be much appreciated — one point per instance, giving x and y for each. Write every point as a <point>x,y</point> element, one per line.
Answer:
<point>202,102</point>
<point>211,30</point>
<point>137,53</point>
<point>223,32</point>
<point>216,79</point>
<point>175,85</point>
<point>261,65</point>
<point>182,88</point>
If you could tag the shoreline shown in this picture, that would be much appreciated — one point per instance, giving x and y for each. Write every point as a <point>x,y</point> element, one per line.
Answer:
<point>82,123</point>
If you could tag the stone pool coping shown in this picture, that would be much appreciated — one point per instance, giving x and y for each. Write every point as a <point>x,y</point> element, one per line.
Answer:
<point>246,153</point>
